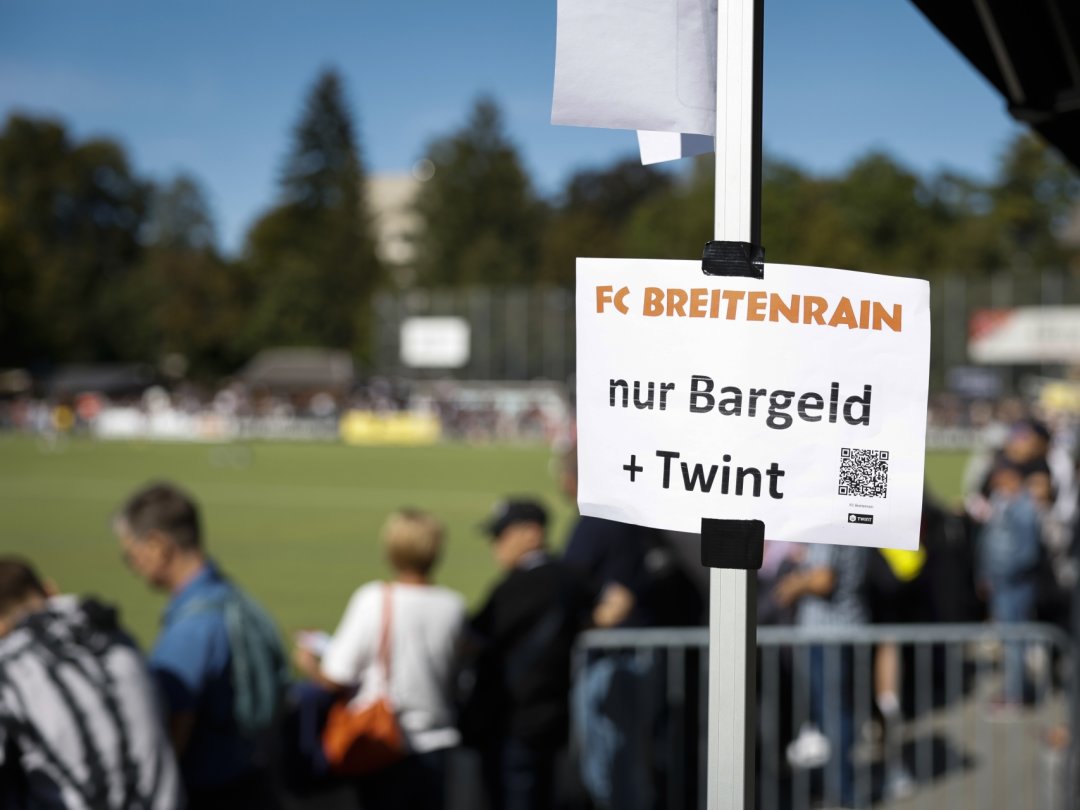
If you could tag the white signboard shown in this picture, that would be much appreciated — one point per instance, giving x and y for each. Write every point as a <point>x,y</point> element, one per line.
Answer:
<point>627,64</point>
<point>435,342</point>
<point>798,400</point>
<point>1025,335</point>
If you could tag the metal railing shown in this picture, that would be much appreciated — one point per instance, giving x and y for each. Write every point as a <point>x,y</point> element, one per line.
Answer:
<point>954,745</point>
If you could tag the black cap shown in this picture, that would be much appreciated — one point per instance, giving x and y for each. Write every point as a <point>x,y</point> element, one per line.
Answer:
<point>507,513</point>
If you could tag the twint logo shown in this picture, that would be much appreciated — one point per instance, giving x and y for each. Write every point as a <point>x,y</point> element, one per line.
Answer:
<point>856,518</point>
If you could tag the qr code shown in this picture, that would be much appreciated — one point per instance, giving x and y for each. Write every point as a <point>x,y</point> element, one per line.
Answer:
<point>864,473</point>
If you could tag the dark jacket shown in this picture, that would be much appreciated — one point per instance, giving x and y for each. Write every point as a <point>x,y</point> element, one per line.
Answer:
<point>526,631</point>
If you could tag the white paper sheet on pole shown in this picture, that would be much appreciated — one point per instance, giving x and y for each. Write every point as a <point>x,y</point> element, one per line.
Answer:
<point>792,344</point>
<point>636,64</point>
<point>657,147</point>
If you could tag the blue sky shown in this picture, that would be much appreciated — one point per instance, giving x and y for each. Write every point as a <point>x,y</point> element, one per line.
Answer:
<point>214,88</point>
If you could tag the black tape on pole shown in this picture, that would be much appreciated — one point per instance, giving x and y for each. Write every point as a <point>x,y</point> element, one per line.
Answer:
<point>733,259</point>
<point>736,544</point>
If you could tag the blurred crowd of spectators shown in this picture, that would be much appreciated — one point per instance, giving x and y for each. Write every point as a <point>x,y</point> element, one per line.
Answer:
<point>468,411</point>
<point>465,411</point>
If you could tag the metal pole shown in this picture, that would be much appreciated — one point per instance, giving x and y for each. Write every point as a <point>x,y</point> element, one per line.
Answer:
<point>732,709</point>
<point>1074,681</point>
<point>733,593</point>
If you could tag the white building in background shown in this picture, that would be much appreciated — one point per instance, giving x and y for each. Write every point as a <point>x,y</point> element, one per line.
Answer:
<point>390,198</point>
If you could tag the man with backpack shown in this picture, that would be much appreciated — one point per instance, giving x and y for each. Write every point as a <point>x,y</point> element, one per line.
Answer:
<point>218,659</point>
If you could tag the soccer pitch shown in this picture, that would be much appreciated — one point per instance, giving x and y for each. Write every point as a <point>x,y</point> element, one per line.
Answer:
<point>296,524</point>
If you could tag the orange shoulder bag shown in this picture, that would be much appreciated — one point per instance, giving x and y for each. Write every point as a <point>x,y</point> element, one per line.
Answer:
<point>364,739</point>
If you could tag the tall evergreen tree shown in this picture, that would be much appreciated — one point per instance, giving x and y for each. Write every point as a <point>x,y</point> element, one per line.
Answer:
<point>481,221</point>
<point>310,262</point>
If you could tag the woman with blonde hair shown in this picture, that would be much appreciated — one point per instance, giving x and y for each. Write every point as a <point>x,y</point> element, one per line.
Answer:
<point>422,624</point>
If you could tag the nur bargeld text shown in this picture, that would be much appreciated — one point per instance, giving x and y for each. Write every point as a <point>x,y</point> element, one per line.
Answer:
<point>779,413</point>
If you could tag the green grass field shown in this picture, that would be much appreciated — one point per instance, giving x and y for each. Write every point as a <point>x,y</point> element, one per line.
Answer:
<point>294,523</point>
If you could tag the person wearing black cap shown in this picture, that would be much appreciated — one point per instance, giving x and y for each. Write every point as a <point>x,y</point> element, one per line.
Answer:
<point>519,717</point>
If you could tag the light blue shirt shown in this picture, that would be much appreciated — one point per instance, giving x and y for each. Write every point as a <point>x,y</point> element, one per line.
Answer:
<point>191,660</point>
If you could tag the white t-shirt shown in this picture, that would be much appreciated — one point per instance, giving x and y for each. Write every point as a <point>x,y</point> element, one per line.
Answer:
<point>425,625</point>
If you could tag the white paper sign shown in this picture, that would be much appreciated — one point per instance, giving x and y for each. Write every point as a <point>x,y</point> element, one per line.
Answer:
<point>657,147</point>
<point>798,400</point>
<point>636,64</point>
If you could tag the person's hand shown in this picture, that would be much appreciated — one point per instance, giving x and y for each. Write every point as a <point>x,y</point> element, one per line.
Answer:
<point>306,662</point>
<point>788,590</point>
<point>614,606</point>
<point>309,665</point>
<point>978,507</point>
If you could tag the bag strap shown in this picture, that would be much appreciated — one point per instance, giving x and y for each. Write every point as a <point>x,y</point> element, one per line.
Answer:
<point>384,638</point>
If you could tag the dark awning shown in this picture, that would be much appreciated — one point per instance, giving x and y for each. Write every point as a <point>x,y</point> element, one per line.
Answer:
<point>1029,51</point>
<point>114,380</point>
<point>300,369</point>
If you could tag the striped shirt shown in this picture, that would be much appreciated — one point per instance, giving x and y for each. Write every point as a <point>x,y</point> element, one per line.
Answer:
<point>80,727</point>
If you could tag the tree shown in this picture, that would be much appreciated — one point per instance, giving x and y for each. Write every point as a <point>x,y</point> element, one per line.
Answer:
<point>801,222</point>
<point>961,235</point>
<point>676,223</point>
<point>884,208</point>
<point>70,217</point>
<point>1033,194</point>
<point>877,216</point>
<point>592,218</point>
<point>480,221</point>
<point>179,217</point>
<point>310,264</point>
<point>191,293</point>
